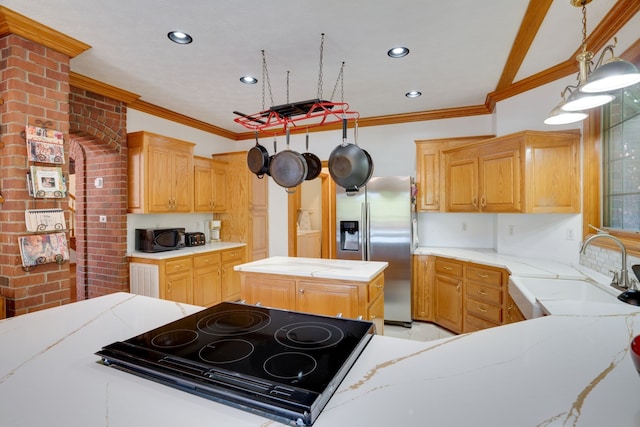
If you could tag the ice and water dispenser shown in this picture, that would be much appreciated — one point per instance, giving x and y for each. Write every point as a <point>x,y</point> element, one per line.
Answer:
<point>349,235</point>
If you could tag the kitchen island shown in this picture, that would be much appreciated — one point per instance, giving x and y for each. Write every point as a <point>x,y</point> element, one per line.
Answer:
<point>550,371</point>
<point>331,287</point>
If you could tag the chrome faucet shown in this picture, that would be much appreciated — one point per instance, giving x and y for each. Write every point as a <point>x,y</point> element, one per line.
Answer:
<point>623,283</point>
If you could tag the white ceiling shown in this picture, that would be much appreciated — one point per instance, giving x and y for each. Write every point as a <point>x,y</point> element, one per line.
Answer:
<point>458,49</point>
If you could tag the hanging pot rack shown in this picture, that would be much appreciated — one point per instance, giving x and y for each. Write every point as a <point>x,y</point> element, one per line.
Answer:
<point>308,114</point>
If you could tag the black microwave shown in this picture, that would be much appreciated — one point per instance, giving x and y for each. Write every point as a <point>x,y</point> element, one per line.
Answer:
<point>159,239</point>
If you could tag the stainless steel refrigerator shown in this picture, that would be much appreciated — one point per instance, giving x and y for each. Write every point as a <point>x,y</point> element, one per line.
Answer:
<point>377,224</point>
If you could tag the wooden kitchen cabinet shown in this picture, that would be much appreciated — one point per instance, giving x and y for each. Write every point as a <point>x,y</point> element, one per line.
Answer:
<point>177,284</point>
<point>3,308</point>
<point>318,296</point>
<point>529,172</point>
<point>421,289</point>
<point>245,218</point>
<point>160,174</point>
<point>484,297</point>
<point>210,189</point>
<point>207,279</point>
<point>448,283</point>
<point>430,170</point>
<point>512,312</point>
<point>202,279</point>
<point>483,178</point>
<point>230,278</point>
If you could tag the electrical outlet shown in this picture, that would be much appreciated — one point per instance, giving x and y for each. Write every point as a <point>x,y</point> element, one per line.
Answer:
<point>103,218</point>
<point>464,226</point>
<point>570,235</point>
<point>512,230</point>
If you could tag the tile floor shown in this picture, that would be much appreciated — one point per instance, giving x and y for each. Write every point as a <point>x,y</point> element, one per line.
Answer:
<point>419,331</point>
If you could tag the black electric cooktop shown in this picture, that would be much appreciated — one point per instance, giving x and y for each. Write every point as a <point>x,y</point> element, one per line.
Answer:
<point>280,364</point>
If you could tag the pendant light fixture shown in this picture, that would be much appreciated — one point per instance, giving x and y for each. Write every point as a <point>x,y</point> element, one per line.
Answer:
<point>593,87</point>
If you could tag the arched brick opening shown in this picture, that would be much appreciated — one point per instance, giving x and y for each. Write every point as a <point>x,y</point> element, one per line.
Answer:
<point>97,133</point>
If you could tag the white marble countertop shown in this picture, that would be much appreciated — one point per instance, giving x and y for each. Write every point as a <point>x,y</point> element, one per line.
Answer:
<point>359,271</point>
<point>191,250</point>
<point>551,371</point>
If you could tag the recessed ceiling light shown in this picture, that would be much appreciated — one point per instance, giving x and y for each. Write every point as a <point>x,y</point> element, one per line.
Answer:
<point>179,37</point>
<point>248,80</point>
<point>413,94</point>
<point>398,52</point>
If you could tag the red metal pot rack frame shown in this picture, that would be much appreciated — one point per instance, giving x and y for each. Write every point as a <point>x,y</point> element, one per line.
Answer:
<point>307,114</point>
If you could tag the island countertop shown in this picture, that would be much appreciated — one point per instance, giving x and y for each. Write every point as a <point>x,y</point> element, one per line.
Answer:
<point>359,271</point>
<point>550,371</point>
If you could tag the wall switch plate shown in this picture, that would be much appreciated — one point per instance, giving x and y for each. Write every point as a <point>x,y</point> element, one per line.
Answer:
<point>103,218</point>
<point>98,183</point>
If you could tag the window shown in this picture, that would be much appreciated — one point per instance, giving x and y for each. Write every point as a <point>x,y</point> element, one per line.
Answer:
<point>621,161</point>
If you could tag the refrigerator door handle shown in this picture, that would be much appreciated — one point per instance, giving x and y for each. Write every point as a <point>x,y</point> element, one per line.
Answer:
<point>366,237</point>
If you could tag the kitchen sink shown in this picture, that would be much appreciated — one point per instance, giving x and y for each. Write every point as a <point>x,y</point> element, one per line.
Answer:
<point>530,294</point>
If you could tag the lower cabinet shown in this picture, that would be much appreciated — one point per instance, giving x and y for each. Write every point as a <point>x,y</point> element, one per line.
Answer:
<point>461,296</point>
<point>203,279</point>
<point>318,296</point>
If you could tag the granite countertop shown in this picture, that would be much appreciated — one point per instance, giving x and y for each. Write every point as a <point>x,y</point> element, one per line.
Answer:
<point>191,250</point>
<point>550,371</point>
<point>360,271</point>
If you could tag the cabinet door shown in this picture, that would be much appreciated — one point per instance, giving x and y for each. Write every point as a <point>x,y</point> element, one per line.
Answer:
<point>203,186</point>
<point>182,194</point>
<point>160,181</point>
<point>428,176</point>
<point>376,314</point>
<point>462,184</point>
<point>259,244</point>
<point>329,299</point>
<point>230,277</point>
<point>269,292</point>
<point>421,288</point>
<point>259,193</point>
<point>500,182</point>
<point>448,302</point>
<point>219,186</point>
<point>207,278</point>
<point>178,287</point>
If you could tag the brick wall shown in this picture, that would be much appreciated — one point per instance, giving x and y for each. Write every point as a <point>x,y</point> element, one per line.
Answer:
<point>98,145</point>
<point>34,86</point>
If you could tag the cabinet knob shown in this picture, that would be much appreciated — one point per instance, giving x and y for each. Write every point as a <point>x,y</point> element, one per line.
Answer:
<point>301,291</point>
<point>339,315</point>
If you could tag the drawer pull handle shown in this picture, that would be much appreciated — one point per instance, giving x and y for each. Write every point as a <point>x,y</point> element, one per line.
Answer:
<point>447,268</point>
<point>481,292</point>
<point>359,317</point>
<point>483,275</point>
<point>482,310</point>
<point>379,286</point>
<point>372,317</point>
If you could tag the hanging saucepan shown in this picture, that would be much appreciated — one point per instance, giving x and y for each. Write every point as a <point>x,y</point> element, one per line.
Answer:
<point>258,159</point>
<point>314,165</point>
<point>288,168</point>
<point>350,166</point>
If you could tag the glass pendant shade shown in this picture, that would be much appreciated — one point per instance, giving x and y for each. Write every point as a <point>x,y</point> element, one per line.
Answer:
<point>579,101</point>
<point>558,116</point>
<point>612,75</point>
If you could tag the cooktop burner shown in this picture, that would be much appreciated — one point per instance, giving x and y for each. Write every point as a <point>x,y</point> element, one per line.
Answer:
<point>281,364</point>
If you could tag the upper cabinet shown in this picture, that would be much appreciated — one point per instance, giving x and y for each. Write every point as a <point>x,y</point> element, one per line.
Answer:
<point>429,169</point>
<point>527,172</point>
<point>160,174</point>
<point>210,188</point>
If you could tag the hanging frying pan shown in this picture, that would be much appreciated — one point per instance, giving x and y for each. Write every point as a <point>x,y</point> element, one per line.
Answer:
<point>350,166</point>
<point>314,165</point>
<point>258,159</point>
<point>275,150</point>
<point>288,168</point>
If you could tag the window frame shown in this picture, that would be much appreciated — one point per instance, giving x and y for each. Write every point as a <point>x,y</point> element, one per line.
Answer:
<point>592,176</point>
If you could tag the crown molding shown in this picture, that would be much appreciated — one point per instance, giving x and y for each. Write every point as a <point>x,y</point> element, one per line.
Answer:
<point>13,23</point>
<point>99,88</point>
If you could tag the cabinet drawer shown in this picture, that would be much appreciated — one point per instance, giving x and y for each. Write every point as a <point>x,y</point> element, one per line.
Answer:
<point>179,265</point>
<point>472,324</point>
<point>447,267</point>
<point>232,255</point>
<point>206,260</point>
<point>484,311</point>
<point>484,293</point>
<point>375,287</point>
<point>488,277</point>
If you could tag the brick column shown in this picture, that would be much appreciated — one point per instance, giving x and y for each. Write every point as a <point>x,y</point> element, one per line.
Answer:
<point>34,86</point>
